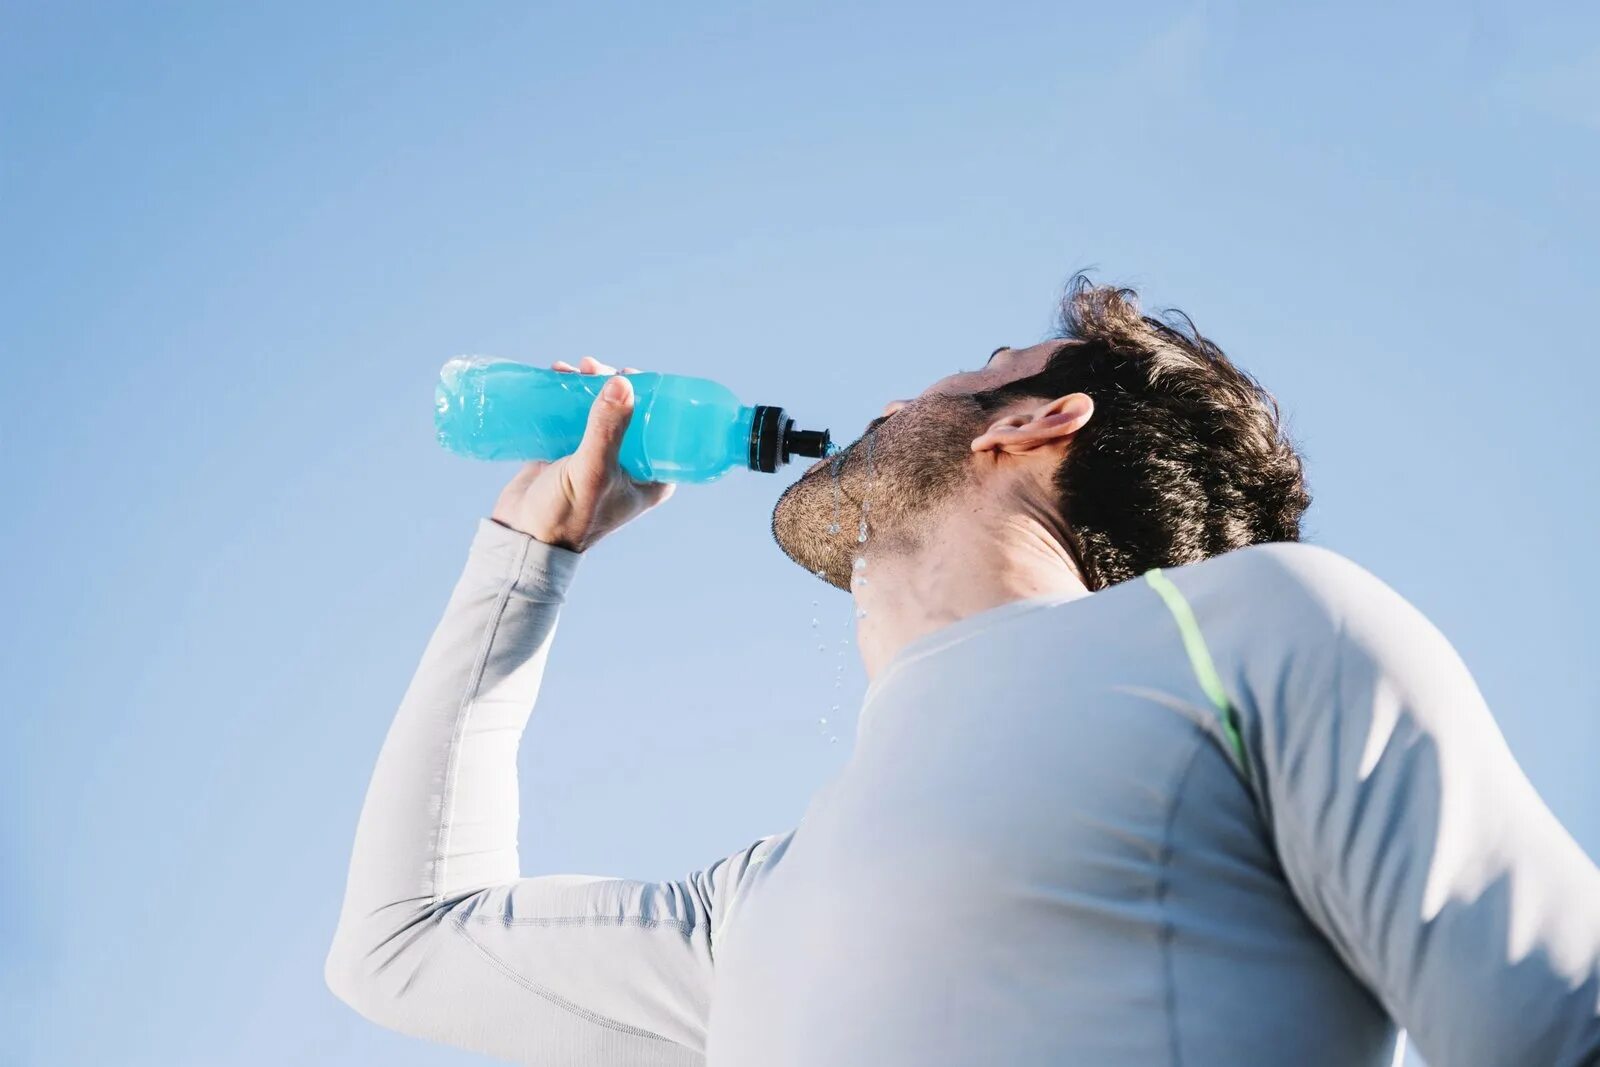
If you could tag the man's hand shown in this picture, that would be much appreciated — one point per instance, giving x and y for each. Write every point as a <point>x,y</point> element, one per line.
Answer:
<point>574,501</point>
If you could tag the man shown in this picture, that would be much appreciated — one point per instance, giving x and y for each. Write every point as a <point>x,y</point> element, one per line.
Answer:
<point>1138,779</point>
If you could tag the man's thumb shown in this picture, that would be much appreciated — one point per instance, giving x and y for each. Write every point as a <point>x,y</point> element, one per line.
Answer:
<point>608,421</point>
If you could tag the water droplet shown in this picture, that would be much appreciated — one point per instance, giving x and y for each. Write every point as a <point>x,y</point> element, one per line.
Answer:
<point>833,740</point>
<point>872,483</point>
<point>861,613</point>
<point>862,580</point>
<point>833,527</point>
<point>860,565</point>
<point>824,722</point>
<point>822,648</point>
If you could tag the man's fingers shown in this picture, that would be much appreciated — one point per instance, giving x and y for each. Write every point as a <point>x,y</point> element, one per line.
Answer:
<point>590,365</point>
<point>602,437</point>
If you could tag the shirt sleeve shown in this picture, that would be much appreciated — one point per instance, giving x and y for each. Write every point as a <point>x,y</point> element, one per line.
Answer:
<point>438,936</point>
<point>1413,840</point>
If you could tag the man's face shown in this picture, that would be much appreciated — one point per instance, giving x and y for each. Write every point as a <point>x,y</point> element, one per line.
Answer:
<point>908,462</point>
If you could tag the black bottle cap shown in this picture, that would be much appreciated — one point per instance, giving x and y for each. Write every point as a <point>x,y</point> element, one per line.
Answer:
<point>773,439</point>
<point>814,443</point>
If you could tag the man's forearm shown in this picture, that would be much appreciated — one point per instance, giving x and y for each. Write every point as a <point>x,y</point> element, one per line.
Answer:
<point>440,816</point>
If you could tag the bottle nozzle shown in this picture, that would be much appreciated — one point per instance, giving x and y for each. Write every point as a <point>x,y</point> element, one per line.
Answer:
<point>773,440</point>
<point>814,443</point>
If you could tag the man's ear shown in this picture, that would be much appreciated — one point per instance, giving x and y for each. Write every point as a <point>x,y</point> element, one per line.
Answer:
<point>1051,423</point>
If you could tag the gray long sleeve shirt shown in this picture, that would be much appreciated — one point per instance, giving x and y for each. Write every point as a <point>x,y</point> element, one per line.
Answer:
<point>1249,811</point>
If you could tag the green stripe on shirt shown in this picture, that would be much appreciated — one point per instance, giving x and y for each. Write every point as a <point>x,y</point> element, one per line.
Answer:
<point>1194,643</point>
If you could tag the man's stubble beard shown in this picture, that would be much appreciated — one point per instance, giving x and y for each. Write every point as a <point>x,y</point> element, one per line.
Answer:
<point>920,458</point>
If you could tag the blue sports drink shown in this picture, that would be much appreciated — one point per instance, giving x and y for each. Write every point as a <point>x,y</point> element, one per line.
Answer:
<point>683,429</point>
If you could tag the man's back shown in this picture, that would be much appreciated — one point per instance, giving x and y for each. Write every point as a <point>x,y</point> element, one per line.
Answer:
<point>1240,812</point>
<point>1040,852</point>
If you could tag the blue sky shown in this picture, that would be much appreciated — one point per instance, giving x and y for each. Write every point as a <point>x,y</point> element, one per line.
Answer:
<point>238,242</point>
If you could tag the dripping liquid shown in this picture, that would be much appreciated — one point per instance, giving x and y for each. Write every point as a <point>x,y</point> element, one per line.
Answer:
<point>856,578</point>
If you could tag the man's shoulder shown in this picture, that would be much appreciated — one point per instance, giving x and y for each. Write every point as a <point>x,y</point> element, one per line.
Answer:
<point>1316,568</point>
<point>1290,580</point>
<point>1282,609</point>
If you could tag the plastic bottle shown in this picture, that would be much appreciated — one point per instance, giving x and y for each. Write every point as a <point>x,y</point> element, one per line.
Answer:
<point>683,429</point>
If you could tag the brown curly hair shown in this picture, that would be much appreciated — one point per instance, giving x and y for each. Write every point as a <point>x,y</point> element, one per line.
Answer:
<point>1185,456</point>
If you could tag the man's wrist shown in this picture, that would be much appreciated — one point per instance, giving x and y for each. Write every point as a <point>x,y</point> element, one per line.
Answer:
<point>541,568</point>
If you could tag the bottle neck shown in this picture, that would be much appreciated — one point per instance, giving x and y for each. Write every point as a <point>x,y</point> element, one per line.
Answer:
<point>740,434</point>
<point>764,448</point>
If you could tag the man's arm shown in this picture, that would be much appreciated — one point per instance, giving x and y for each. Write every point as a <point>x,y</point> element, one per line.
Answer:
<point>1415,842</point>
<point>439,938</point>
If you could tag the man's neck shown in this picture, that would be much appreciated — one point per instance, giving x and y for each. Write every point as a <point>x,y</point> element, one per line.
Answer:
<point>978,560</point>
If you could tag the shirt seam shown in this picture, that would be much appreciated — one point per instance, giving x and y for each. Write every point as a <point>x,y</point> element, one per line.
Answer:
<point>1233,745</point>
<point>463,713</point>
<point>1163,885</point>
<point>549,995</point>
<point>683,926</point>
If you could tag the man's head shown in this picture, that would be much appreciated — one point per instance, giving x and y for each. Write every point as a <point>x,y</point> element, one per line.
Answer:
<point>1134,440</point>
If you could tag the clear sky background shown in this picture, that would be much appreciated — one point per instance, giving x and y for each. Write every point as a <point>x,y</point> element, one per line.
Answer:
<point>239,240</point>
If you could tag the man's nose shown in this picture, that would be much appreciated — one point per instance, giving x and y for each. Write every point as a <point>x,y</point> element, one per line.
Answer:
<point>893,406</point>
